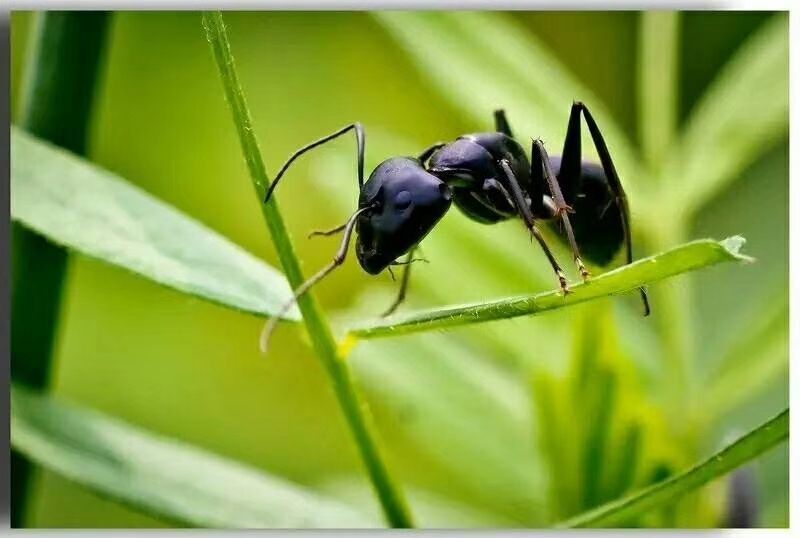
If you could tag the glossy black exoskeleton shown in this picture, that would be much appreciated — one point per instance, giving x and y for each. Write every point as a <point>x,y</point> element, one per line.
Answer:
<point>489,178</point>
<point>404,202</point>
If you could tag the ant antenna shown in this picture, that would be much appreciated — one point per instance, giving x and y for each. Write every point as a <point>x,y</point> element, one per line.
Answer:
<point>338,260</point>
<point>359,141</point>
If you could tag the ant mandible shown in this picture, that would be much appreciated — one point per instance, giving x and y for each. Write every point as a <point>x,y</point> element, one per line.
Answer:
<point>488,177</point>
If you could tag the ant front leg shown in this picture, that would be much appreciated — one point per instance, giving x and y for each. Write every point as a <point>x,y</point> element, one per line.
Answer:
<point>332,231</point>
<point>527,217</point>
<point>542,174</point>
<point>404,280</point>
<point>338,259</point>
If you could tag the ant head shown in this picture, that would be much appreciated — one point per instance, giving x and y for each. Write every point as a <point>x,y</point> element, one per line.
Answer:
<point>406,203</point>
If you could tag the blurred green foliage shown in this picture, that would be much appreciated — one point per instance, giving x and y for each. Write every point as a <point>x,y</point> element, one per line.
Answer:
<point>463,414</point>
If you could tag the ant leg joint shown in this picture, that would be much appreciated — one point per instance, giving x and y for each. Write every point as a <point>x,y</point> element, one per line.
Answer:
<point>566,208</point>
<point>585,274</point>
<point>562,281</point>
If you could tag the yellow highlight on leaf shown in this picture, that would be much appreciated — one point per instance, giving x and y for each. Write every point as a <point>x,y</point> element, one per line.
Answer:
<point>346,345</point>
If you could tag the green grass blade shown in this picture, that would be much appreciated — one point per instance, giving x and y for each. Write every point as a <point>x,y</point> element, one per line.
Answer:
<point>740,386</point>
<point>392,501</point>
<point>758,335</point>
<point>92,211</point>
<point>687,257</point>
<point>176,481</point>
<point>432,509</point>
<point>723,136</point>
<point>461,412</point>
<point>658,82</point>
<point>740,452</point>
<point>626,456</point>
<point>553,425</point>
<point>597,438</point>
<point>737,384</point>
<point>61,79</point>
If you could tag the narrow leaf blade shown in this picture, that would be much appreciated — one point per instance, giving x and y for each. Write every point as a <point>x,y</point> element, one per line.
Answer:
<point>687,257</point>
<point>722,136</point>
<point>173,480</point>
<point>735,386</point>
<point>657,68</point>
<point>464,413</point>
<point>92,211</point>
<point>745,449</point>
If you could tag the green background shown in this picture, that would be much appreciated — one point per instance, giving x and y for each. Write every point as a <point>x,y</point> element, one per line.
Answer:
<point>182,367</point>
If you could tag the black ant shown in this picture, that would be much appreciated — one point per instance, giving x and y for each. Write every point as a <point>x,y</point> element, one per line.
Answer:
<point>488,177</point>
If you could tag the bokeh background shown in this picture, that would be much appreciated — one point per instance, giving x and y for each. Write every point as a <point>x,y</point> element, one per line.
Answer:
<point>458,412</point>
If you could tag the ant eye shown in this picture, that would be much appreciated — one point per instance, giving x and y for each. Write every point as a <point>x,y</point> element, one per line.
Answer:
<point>402,200</point>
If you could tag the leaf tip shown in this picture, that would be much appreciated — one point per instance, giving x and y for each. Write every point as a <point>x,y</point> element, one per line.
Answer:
<point>733,246</point>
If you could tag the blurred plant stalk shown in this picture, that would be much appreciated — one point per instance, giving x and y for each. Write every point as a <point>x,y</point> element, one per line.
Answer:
<point>58,93</point>
<point>393,503</point>
<point>659,37</point>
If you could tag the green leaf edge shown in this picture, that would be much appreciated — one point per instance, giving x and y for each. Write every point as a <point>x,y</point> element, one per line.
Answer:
<point>18,134</point>
<point>692,255</point>
<point>31,439</point>
<point>746,448</point>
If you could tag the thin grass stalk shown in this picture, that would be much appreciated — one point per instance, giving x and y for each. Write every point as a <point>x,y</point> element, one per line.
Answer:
<point>658,83</point>
<point>358,419</point>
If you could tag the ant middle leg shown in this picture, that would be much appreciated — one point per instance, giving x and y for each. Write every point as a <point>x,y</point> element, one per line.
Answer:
<point>541,173</point>
<point>527,217</point>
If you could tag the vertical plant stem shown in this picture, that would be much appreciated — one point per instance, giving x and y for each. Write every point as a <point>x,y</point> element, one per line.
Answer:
<point>391,499</point>
<point>658,83</point>
<point>658,117</point>
<point>62,73</point>
<point>658,110</point>
<point>658,86</point>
